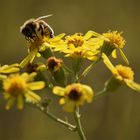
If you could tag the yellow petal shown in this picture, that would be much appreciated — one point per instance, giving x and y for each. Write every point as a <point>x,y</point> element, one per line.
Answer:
<point>58,37</point>
<point>133,85</point>
<point>88,93</point>
<point>10,70</point>
<point>109,64</point>
<point>36,85</point>
<point>124,57</point>
<point>95,42</point>
<point>88,35</point>
<point>38,55</point>
<point>10,102</point>
<point>62,101</point>
<point>14,65</point>
<point>69,106</point>
<point>28,77</point>
<point>59,91</point>
<point>96,34</point>
<point>32,97</point>
<point>20,102</point>
<point>28,59</point>
<point>114,53</point>
<point>3,77</point>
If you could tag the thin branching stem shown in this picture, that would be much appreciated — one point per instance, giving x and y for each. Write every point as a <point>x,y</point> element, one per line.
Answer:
<point>68,69</point>
<point>100,93</point>
<point>78,123</point>
<point>55,118</point>
<point>87,70</point>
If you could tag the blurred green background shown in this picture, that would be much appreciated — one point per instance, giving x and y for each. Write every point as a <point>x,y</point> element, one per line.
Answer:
<point>112,117</point>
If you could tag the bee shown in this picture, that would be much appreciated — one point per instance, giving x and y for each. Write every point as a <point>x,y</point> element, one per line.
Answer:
<point>36,28</point>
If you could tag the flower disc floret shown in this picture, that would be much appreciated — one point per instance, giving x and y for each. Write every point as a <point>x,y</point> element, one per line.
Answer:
<point>76,39</point>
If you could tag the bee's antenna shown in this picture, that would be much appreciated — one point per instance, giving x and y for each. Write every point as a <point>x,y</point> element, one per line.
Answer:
<point>43,17</point>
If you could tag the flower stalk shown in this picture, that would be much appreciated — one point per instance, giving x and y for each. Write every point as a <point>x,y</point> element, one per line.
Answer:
<point>77,117</point>
<point>55,118</point>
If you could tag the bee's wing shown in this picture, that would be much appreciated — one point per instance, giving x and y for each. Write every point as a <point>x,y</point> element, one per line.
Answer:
<point>42,17</point>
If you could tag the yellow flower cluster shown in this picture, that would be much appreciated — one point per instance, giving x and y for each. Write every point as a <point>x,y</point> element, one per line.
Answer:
<point>91,46</point>
<point>79,45</point>
<point>88,46</point>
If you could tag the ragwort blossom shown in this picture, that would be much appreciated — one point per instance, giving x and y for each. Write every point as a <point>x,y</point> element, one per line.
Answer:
<point>74,95</point>
<point>111,42</point>
<point>19,88</point>
<point>122,73</point>
<point>78,45</point>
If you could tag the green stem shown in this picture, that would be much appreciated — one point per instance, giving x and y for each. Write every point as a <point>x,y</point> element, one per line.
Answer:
<point>87,70</point>
<point>67,69</point>
<point>100,94</point>
<point>79,126</point>
<point>56,119</point>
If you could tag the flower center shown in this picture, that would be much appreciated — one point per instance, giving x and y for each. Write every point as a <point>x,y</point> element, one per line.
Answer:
<point>74,94</point>
<point>76,40</point>
<point>125,72</point>
<point>14,85</point>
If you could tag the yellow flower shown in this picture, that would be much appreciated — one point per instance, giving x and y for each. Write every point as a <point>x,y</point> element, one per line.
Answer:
<point>7,69</point>
<point>19,87</point>
<point>73,95</point>
<point>112,40</point>
<point>78,45</point>
<point>115,38</point>
<point>38,46</point>
<point>122,73</point>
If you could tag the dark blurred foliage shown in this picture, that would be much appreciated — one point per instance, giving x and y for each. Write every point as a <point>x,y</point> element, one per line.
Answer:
<point>112,117</point>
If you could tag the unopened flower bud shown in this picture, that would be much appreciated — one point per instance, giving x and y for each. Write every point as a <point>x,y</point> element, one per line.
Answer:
<point>55,66</point>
